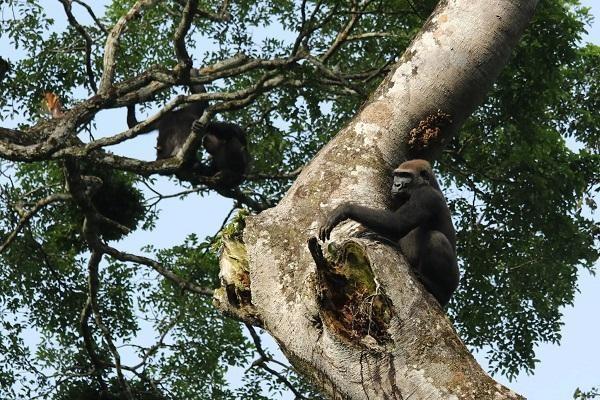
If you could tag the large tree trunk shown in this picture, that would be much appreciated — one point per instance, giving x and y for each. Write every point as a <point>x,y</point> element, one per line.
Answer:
<point>359,323</point>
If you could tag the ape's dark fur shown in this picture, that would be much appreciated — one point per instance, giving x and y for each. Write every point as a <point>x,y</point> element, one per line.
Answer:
<point>420,223</point>
<point>225,142</point>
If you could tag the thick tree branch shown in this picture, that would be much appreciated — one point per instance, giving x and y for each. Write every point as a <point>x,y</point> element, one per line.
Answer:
<point>50,139</point>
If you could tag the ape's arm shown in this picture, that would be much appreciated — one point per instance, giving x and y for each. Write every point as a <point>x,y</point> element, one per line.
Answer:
<point>131,118</point>
<point>391,224</point>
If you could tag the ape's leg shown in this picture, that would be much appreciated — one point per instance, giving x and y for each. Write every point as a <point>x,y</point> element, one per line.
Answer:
<point>438,269</point>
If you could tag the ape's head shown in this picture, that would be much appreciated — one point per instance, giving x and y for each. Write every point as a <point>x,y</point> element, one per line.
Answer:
<point>410,175</point>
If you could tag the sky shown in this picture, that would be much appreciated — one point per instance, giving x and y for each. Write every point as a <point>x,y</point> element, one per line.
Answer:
<point>562,368</point>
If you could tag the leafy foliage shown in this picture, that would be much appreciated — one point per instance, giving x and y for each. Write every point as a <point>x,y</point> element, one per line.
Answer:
<point>521,177</point>
<point>591,394</point>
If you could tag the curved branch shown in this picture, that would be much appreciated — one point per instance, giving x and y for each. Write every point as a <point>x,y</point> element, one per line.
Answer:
<point>112,43</point>
<point>92,15</point>
<point>343,34</point>
<point>185,61</point>
<point>25,218</point>
<point>93,285</point>
<point>170,275</point>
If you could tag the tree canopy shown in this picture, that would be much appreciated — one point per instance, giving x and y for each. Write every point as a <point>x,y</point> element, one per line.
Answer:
<point>521,178</point>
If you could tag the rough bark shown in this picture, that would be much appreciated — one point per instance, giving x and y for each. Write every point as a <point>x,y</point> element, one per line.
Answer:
<point>358,322</point>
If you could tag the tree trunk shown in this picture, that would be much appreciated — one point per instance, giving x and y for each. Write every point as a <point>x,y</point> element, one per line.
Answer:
<point>358,322</point>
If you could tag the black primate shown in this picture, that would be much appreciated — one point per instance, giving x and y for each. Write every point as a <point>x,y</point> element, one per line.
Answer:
<point>420,223</point>
<point>224,141</point>
<point>227,146</point>
<point>174,127</point>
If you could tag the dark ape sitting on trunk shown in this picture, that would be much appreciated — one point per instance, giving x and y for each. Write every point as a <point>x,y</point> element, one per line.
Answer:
<point>420,223</point>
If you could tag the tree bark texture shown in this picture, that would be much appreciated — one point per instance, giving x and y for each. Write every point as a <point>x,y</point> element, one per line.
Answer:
<point>358,322</point>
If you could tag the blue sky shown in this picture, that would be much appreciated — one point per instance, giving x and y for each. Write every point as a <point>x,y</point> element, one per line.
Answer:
<point>562,368</point>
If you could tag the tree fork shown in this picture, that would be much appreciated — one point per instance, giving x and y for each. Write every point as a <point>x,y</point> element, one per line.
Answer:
<point>440,79</point>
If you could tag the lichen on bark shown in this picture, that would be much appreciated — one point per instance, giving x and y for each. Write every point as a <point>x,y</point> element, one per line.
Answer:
<point>234,296</point>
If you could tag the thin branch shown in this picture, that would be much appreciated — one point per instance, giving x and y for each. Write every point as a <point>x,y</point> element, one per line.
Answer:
<point>88,43</point>
<point>26,217</point>
<point>222,16</point>
<point>160,343</point>
<point>310,26</point>
<point>245,199</point>
<point>160,197</point>
<point>182,283</point>
<point>185,61</point>
<point>264,358</point>
<point>415,10</point>
<point>286,176</point>
<point>369,35</point>
<point>368,75</point>
<point>302,31</point>
<point>342,35</point>
<point>88,343</point>
<point>334,76</point>
<point>93,285</point>
<point>91,13</point>
<point>214,237</point>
